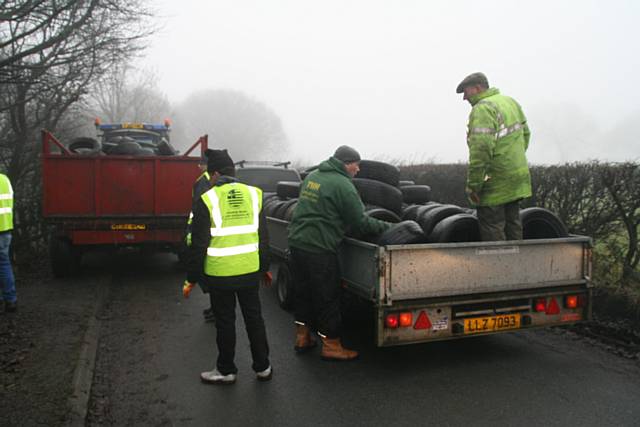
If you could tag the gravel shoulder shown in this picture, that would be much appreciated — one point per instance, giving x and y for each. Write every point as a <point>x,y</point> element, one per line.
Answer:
<point>40,344</point>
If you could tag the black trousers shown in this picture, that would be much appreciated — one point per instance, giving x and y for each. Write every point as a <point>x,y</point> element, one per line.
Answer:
<point>499,223</point>
<point>224,309</point>
<point>317,291</point>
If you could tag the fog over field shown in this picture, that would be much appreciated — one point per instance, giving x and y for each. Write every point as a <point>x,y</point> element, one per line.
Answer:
<point>381,75</point>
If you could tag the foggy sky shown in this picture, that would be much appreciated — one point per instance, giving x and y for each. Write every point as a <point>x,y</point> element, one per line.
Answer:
<point>381,75</point>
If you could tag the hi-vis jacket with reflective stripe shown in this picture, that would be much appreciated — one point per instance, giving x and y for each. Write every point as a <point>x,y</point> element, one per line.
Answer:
<point>498,137</point>
<point>235,212</point>
<point>229,240</point>
<point>6,204</point>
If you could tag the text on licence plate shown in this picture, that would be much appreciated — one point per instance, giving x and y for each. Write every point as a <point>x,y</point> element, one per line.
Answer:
<point>477,325</point>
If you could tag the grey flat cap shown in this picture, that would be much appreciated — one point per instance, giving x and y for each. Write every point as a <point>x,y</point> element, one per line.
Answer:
<point>472,80</point>
<point>347,154</point>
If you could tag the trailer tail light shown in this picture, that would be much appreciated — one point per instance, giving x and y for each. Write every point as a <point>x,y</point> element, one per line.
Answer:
<point>540,305</point>
<point>406,319</point>
<point>571,301</point>
<point>423,321</point>
<point>391,321</point>
<point>552,307</point>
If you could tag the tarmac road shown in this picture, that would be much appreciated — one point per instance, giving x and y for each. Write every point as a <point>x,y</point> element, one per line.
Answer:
<point>153,345</point>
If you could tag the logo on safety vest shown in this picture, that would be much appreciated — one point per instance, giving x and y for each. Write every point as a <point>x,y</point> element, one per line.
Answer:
<point>235,198</point>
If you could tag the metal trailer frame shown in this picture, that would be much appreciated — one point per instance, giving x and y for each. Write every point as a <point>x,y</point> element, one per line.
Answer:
<point>443,277</point>
<point>115,200</point>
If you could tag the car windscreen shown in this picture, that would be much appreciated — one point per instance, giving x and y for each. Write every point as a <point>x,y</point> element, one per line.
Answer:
<point>266,179</point>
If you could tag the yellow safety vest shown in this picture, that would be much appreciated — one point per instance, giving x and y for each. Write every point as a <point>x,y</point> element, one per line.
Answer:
<point>6,204</point>
<point>234,210</point>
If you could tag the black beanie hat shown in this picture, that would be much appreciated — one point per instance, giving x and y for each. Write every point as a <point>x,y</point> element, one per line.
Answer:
<point>217,160</point>
<point>346,154</point>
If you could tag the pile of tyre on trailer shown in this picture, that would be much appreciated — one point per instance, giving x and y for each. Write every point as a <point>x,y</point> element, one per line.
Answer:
<point>416,218</point>
<point>122,145</point>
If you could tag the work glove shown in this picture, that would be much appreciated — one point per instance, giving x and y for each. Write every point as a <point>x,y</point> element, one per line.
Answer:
<point>267,279</point>
<point>187,287</point>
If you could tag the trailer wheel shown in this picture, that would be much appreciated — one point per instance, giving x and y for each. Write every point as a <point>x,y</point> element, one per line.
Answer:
<point>284,287</point>
<point>65,260</point>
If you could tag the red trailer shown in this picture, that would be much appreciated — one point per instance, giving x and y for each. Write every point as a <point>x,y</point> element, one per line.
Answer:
<point>94,200</point>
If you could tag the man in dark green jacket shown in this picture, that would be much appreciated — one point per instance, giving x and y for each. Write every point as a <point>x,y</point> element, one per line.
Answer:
<point>498,176</point>
<point>329,204</point>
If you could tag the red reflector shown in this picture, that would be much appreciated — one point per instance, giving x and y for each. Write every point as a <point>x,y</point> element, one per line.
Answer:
<point>406,319</point>
<point>540,305</point>
<point>553,307</point>
<point>571,301</point>
<point>423,321</point>
<point>391,321</point>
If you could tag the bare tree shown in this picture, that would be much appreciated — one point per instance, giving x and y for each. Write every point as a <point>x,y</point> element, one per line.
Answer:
<point>51,52</point>
<point>125,94</point>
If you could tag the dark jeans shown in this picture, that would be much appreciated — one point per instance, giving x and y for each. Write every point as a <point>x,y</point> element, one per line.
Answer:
<point>499,223</point>
<point>6,271</point>
<point>224,309</point>
<point>317,291</point>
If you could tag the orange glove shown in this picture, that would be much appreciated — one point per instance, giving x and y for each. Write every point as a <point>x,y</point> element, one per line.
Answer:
<point>268,279</point>
<point>187,288</point>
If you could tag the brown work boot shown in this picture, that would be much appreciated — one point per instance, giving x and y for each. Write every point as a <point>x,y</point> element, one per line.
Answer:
<point>304,340</point>
<point>332,349</point>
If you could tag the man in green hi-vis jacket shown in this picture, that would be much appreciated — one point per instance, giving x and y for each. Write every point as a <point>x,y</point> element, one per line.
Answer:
<point>498,175</point>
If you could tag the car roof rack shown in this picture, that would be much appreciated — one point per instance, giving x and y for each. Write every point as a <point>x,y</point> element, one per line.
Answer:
<point>242,163</point>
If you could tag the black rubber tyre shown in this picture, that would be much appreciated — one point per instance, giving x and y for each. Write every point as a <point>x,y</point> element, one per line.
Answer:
<point>426,208</point>
<point>85,145</point>
<point>282,207</point>
<point>126,147</point>
<point>415,193</point>
<point>288,189</point>
<point>409,213</point>
<point>540,223</point>
<point>379,171</point>
<point>403,183</point>
<point>270,206</point>
<point>456,228</point>
<point>383,215</point>
<point>284,287</point>
<point>380,194</point>
<point>402,233</point>
<point>165,148</point>
<point>65,259</point>
<point>429,218</point>
<point>144,151</point>
<point>288,214</point>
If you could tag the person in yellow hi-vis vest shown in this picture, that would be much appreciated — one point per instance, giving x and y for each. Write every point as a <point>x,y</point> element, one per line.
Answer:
<point>229,257</point>
<point>6,225</point>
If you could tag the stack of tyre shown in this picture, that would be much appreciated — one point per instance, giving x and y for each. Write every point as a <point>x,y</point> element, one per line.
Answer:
<point>416,218</point>
<point>282,203</point>
<point>121,145</point>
